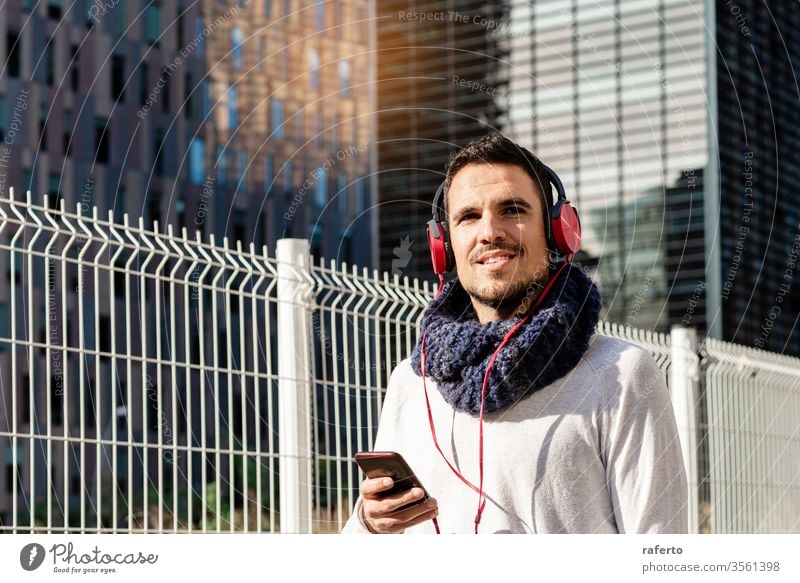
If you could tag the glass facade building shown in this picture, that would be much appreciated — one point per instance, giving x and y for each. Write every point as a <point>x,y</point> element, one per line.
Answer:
<point>192,114</point>
<point>134,106</point>
<point>664,118</point>
<point>436,70</point>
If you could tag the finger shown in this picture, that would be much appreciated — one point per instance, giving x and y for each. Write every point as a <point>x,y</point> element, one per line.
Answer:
<point>394,502</point>
<point>414,512</point>
<point>424,517</point>
<point>401,521</point>
<point>390,506</point>
<point>371,487</point>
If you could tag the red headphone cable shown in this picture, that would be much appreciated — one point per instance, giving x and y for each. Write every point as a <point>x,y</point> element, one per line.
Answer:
<point>506,338</point>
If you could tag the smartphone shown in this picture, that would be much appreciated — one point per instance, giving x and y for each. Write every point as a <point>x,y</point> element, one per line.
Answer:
<point>382,464</point>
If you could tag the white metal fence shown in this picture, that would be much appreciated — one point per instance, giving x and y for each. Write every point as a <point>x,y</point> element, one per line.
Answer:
<point>153,382</point>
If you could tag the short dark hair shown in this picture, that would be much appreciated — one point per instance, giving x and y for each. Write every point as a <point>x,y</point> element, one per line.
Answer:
<point>495,148</point>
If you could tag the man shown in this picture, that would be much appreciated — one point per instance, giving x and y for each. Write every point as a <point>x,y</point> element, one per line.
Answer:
<point>570,432</point>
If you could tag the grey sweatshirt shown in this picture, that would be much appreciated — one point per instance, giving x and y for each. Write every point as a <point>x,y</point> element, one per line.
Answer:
<point>597,451</point>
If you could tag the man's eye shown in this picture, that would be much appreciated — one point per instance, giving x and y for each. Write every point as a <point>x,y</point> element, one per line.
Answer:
<point>515,210</point>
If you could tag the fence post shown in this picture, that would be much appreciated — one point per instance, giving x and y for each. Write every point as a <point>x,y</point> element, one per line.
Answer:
<point>684,375</point>
<point>294,385</point>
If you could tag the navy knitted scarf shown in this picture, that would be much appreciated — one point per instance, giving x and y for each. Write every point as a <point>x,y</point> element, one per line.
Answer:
<point>458,347</point>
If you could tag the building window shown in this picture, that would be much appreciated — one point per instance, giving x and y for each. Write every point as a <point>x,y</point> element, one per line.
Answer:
<point>102,137</point>
<point>197,161</point>
<point>262,53</point>
<point>339,19</point>
<point>287,177</point>
<point>73,67</point>
<point>232,100</point>
<point>335,133</point>
<point>316,240</point>
<point>154,207</point>
<point>13,473</point>
<point>241,164</point>
<point>222,176</point>
<point>187,92</point>
<point>346,246</point>
<point>104,340</point>
<point>181,12</point>
<point>144,83</point>
<point>341,192</point>
<point>206,99</point>
<point>153,22</point>
<point>269,175</point>
<point>165,90</point>
<point>68,130</point>
<point>118,78</point>
<point>319,15</point>
<point>321,187</point>
<point>43,126</point>
<point>286,64</point>
<point>180,212</point>
<point>237,39</point>
<point>277,119</point>
<point>267,8</point>
<point>344,78</point>
<point>199,27</point>
<point>287,9</point>
<point>313,67</point>
<point>28,180</point>
<point>158,152</point>
<point>298,126</point>
<point>361,195</point>
<point>12,53</point>
<point>54,9</point>
<point>239,226</point>
<point>56,401</point>
<point>53,191</point>
<point>118,208</point>
<point>48,61</point>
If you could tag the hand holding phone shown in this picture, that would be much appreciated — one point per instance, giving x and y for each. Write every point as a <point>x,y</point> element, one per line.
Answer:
<point>393,498</point>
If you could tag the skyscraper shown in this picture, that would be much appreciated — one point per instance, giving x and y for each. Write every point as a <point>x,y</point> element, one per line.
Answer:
<point>669,122</point>
<point>432,61</point>
<point>251,120</point>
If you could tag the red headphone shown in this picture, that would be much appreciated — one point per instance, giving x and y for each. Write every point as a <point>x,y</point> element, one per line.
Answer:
<point>563,236</point>
<point>563,229</point>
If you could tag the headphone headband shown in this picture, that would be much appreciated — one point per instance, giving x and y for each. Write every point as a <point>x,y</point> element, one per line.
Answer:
<point>551,174</point>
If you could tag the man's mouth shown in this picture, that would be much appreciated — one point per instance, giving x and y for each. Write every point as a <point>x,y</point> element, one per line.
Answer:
<point>496,263</point>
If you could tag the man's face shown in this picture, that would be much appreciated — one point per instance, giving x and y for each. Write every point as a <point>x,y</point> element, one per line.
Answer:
<point>497,233</point>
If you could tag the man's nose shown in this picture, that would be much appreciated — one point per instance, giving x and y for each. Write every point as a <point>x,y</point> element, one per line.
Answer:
<point>492,228</point>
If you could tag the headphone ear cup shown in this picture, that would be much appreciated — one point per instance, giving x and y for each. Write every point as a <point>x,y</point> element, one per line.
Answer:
<point>451,259</point>
<point>439,246</point>
<point>565,225</point>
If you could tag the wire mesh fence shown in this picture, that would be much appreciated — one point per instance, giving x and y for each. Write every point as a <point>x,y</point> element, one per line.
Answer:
<point>138,395</point>
<point>151,382</point>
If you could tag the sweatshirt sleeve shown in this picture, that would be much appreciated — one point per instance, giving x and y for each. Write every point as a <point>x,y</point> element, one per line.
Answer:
<point>383,440</point>
<point>644,463</point>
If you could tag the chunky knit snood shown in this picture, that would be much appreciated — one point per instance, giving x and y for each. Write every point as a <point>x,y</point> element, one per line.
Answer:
<point>458,347</point>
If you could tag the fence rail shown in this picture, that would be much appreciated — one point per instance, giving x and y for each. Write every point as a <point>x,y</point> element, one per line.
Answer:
<point>152,382</point>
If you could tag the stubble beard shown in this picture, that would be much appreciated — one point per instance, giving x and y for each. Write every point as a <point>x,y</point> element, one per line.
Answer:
<point>511,296</point>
